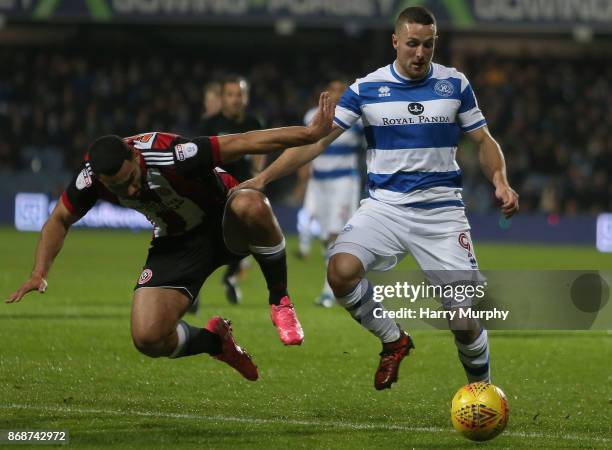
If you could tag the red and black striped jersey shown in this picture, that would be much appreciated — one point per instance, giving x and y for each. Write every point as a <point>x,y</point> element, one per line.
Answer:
<point>181,185</point>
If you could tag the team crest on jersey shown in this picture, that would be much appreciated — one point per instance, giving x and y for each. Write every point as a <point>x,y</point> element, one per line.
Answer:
<point>184,151</point>
<point>444,88</point>
<point>145,276</point>
<point>347,228</point>
<point>84,179</point>
<point>415,108</point>
<point>384,91</point>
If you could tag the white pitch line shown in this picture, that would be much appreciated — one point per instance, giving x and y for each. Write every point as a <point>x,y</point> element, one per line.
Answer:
<point>307,423</point>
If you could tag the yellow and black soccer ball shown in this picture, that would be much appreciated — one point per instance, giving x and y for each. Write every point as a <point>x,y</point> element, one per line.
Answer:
<point>479,411</point>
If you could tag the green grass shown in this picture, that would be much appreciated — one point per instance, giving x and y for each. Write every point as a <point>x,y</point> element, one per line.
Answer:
<point>67,362</point>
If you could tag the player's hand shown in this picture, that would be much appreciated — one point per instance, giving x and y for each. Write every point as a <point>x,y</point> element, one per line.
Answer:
<point>35,283</point>
<point>252,183</point>
<point>509,200</point>
<point>321,124</point>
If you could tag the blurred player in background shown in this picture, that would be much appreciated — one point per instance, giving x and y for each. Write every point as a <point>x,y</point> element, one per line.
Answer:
<point>413,111</point>
<point>211,100</point>
<point>175,183</point>
<point>211,105</point>
<point>231,118</point>
<point>333,189</point>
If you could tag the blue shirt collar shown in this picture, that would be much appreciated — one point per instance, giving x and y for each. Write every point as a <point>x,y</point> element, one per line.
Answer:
<point>405,80</point>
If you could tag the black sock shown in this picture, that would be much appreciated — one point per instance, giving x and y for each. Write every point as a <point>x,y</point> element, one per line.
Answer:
<point>198,340</point>
<point>232,269</point>
<point>274,268</point>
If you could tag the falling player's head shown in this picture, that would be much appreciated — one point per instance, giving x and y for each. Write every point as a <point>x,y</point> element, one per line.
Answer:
<point>106,155</point>
<point>234,96</point>
<point>414,41</point>
<point>116,166</point>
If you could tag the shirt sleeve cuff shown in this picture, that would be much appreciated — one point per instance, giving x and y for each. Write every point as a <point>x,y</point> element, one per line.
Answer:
<point>341,124</point>
<point>474,126</point>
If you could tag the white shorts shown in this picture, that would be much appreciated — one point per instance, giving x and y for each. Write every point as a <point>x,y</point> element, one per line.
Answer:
<point>332,202</point>
<point>438,239</point>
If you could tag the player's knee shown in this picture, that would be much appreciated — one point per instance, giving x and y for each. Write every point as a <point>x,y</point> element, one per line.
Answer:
<point>250,205</point>
<point>149,342</point>
<point>343,273</point>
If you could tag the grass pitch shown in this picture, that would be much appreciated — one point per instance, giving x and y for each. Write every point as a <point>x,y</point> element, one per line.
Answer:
<point>67,362</point>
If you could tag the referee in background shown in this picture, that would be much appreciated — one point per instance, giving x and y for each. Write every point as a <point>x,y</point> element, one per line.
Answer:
<point>233,118</point>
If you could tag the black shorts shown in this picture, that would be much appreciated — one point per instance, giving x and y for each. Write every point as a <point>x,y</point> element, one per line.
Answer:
<point>184,262</point>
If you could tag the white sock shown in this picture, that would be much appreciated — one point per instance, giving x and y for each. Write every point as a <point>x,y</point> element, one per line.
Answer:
<point>475,358</point>
<point>304,235</point>
<point>360,304</point>
<point>327,290</point>
<point>182,331</point>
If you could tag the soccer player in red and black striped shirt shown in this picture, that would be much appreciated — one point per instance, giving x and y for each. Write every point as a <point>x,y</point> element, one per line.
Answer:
<point>176,184</point>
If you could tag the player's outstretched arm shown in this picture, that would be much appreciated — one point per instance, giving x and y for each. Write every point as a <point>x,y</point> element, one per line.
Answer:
<point>290,161</point>
<point>494,167</point>
<point>49,245</point>
<point>233,146</point>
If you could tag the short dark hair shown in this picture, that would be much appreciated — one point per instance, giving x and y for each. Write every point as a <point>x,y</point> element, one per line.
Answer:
<point>234,79</point>
<point>415,14</point>
<point>106,155</point>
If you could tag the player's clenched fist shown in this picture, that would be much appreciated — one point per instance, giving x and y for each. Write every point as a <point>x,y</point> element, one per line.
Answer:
<point>509,200</point>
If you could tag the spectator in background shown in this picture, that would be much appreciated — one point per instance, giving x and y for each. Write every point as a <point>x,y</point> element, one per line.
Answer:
<point>234,118</point>
<point>549,113</point>
<point>211,100</point>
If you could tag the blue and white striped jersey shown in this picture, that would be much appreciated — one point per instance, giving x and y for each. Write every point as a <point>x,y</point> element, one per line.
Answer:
<point>412,130</point>
<point>341,158</point>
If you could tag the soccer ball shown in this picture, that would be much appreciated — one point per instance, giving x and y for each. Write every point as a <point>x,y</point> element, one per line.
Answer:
<point>479,411</point>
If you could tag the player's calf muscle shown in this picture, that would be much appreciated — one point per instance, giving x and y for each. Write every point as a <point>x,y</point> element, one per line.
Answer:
<point>154,342</point>
<point>154,337</point>
<point>155,313</point>
<point>465,331</point>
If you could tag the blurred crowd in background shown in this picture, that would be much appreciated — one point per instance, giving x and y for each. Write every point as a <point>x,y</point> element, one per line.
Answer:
<point>551,116</point>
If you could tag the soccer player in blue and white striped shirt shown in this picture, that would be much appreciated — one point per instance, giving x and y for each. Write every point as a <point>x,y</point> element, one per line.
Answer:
<point>333,190</point>
<point>413,111</point>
